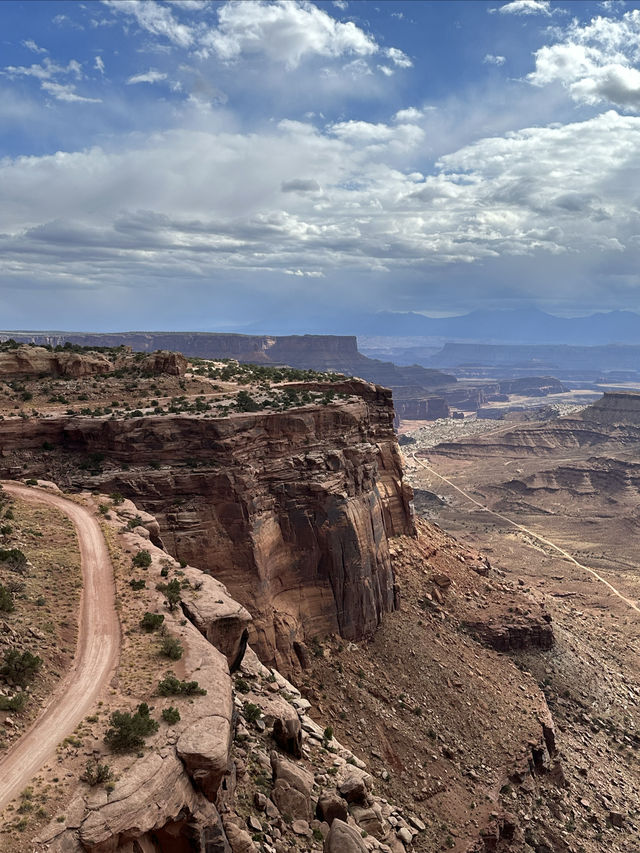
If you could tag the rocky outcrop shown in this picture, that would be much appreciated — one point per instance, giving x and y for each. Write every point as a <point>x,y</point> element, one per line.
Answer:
<point>165,361</point>
<point>615,407</point>
<point>292,511</point>
<point>37,361</point>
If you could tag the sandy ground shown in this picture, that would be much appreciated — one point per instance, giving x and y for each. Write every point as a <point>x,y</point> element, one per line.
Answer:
<point>96,656</point>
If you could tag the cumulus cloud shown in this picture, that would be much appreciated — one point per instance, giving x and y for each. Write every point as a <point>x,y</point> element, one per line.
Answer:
<point>150,76</point>
<point>285,32</point>
<point>525,7</point>
<point>491,59</point>
<point>193,203</point>
<point>595,62</point>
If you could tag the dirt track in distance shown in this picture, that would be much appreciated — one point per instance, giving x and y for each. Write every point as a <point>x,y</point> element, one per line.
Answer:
<point>96,656</point>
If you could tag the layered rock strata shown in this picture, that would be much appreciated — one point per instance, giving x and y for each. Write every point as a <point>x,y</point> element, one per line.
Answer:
<point>292,511</point>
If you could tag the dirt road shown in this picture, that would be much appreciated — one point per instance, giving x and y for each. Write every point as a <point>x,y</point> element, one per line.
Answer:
<point>96,654</point>
<point>521,527</point>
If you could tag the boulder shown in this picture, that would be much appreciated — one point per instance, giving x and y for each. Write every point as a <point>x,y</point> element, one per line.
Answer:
<point>291,789</point>
<point>343,838</point>
<point>204,748</point>
<point>330,806</point>
<point>354,790</point>
<point>239,840</point>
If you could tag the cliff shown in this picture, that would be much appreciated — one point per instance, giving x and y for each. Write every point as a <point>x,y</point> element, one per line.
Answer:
<point>317,352</point>
<point>615,408</point>
<point>35,361</point>
<point>292,511</point>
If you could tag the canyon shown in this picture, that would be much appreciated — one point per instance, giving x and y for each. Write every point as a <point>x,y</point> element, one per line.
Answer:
<point>289,526</point>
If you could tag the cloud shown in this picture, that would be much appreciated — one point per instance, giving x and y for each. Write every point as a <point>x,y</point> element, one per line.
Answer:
<point>398,57</point>
<point>490,59</point>
<point>99,64</point>
<point>31,45</point>
<point>48,73</point>
<point>66,92</point>
<point>340,4</point>
<point>156,19</point>
<point>284,32</point>
<point>525,7</point>
<point>199,205</point>
<point>595,62</point>
<point>300,185</point>
<point>150,76</point>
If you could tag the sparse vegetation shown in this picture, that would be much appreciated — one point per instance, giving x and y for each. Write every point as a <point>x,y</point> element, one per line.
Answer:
<point>172,686</point>
<point>171,647</point>
<point>7,604</point>
<point>142,559</point>
<point>171,715</point>
<point>20,667</point>
<point>96,773</point>
<point>128,731</point>
<point>251,712</point>
<point>151,621</point>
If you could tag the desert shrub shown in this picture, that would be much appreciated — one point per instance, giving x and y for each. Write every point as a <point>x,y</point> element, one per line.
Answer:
<point>20,667</point>
<point>172,686</point>
<point>116,497</point>
<point>136,583</point>
<point>128,731</point>
<point>142,559</point>
<point>151,621</point>
<point>6,600</point>
<point>14,703</point>
<point>6,529</point>
<point>251,712</point>
<point>96,773</point>
<point>31,481</point>
<point>171,715</point>
<point>14,559</point>
<point>173,594</point>
<point>171,647</point>
<point>242,686</point>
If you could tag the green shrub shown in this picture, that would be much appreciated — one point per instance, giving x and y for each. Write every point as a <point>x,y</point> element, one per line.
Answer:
<point>171,647</point>
<point>6,600</point>
<point>142,559</point>
<point>14,559</point>
<point>242,686</point>
<point>116,497</point>
<point>20,667</point>
<point>31,481</point>
<point>171,715</point>
<point>14,703</point>
<point>6,529</point>
<point>173,594</point>
<point>151,621</point>
<point>128,731</point>
<point>251,712</point>
<point>137,583</point>
<point>172,686</point>
<point>96,773</point>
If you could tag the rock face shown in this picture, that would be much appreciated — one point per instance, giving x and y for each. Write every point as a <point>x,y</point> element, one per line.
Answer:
<point>615,407</point>
<point>34,361</point>
<point>291,511</point>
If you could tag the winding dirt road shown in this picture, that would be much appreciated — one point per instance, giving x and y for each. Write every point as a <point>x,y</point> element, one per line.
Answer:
<point>521,527</point>
<point>96,656</point>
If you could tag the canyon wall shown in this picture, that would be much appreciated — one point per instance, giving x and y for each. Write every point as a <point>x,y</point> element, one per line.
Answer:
<point>290,510</point>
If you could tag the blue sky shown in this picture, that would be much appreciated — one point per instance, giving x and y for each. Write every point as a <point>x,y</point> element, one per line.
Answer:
<point>217,165</point>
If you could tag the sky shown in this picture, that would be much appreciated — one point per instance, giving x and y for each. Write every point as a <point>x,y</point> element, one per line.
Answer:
<point>292,165</point>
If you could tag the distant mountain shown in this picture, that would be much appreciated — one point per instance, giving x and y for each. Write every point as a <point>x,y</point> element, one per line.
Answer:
<point>522,326</point>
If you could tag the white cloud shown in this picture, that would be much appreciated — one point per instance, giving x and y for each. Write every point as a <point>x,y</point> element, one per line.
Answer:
<point>398,57</point>
<point>525,7</point>
<point>99,64</point>
<point>595,62</point>
<point>31,45</point>
<point>156,19</point>
<point>340,4</point>
<point>491,59</point>
<point>48,73</point>
<point>284,31</point>
<point>193,203</point>
<point>150,76</point>
<point>66,92</point>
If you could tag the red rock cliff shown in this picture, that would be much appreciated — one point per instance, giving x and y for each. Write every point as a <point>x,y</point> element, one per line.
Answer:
<point>290,510</point>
